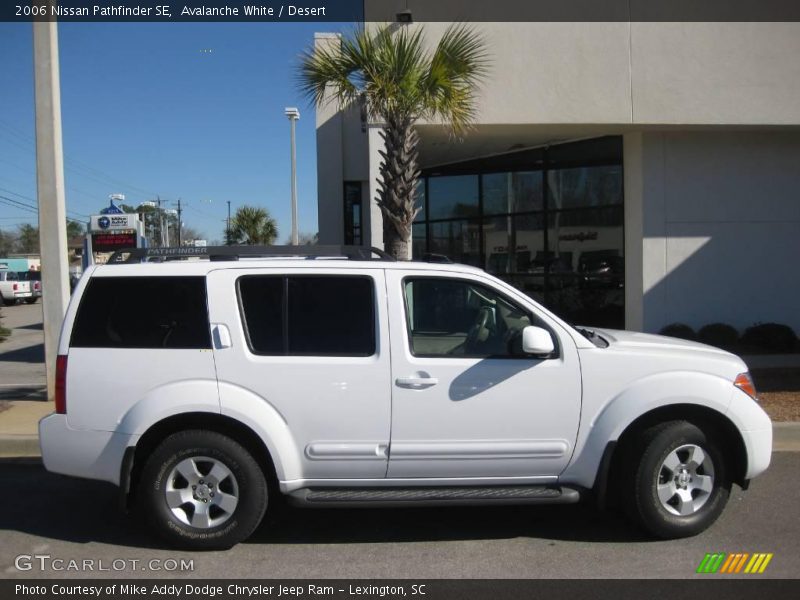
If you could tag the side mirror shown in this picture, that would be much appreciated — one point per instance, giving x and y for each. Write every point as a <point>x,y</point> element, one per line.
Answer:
<point>536,340</point>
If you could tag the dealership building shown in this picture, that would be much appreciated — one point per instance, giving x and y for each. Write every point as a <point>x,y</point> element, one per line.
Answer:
<point>625,174</point>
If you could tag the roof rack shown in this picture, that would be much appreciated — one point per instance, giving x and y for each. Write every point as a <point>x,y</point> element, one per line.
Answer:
<point>431,257</point>
<point>221,253</point>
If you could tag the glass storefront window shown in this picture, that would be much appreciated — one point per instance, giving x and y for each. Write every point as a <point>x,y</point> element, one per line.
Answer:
<point>512,192</point>
<point>567,252</point>
<point>419,241</point>
<point>510,243</point>
<point>584,187</point>
<point>452,197</point>
<point>419,200</point>
<point>586,273</point>
<point>458,240</point>
<point>352,213</point>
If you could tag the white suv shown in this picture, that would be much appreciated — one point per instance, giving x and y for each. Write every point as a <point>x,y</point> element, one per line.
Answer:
<point>340,379</point>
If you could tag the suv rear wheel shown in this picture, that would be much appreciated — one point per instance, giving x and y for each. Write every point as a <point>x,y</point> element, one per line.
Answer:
<point>680,484</point>
<point>202,490</point>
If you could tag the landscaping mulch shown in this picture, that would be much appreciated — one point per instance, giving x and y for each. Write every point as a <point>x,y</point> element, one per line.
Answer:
<point>779,392</point>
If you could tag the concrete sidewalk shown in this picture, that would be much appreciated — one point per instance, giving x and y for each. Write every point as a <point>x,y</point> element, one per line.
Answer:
<point>19,436</point>
<point>19,427</point>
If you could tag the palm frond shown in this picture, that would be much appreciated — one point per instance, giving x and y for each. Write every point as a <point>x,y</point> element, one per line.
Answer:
<point>457,67</point>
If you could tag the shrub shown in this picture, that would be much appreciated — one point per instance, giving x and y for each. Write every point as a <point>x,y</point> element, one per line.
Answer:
<point>679,330</point>
<point>772,337</point>
<point>718,334</point>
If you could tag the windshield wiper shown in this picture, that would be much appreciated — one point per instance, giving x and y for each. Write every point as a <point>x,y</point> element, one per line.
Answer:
<point>591,336</point>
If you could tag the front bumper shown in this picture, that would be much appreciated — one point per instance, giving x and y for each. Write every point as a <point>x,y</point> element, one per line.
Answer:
<point>755,427</point>
<point>82,453</point>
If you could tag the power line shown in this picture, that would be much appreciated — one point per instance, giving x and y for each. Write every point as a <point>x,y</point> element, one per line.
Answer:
<point>29,207</point>
<point>74,214</point>
<point>74,165</point>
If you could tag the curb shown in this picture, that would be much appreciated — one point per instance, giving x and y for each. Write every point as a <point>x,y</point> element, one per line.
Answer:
<point>13,446</point>
<point>786,438</point>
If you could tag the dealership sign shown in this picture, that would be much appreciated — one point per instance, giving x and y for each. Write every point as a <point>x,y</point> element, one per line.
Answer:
<point>117,240</point>
<point>111,222</point>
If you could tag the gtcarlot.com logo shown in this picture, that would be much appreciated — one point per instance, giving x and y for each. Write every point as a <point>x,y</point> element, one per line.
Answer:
<point>737,562</point>
<point>45,562</point>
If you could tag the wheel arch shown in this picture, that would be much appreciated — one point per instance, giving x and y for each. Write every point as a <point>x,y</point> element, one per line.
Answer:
<point>704,417</point>
<point>136,456</point>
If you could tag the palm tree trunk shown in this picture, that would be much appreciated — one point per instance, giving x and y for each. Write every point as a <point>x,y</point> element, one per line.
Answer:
<point>397,185</point>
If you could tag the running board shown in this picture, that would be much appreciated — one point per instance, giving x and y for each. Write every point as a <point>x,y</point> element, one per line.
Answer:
<point>429,496</point>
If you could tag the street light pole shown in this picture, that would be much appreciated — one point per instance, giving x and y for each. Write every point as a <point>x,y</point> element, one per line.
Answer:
<point>293,115</point>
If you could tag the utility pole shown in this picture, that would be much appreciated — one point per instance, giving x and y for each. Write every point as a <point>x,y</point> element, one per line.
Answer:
<point>162,241</point>
<point>293,115</point>
<point>179,221</point>
<point>50,191</point>
<point>228,226</point>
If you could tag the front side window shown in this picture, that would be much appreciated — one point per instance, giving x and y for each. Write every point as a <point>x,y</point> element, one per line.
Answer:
<point>301,315</point>
<point>460,318</point>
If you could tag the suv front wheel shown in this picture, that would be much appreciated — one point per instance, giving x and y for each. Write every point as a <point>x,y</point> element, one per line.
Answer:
<point>202,490</point>
<point>680,485</point>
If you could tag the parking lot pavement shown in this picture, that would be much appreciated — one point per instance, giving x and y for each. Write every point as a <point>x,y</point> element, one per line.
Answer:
<point>22,372</point>
<point>72,519</point>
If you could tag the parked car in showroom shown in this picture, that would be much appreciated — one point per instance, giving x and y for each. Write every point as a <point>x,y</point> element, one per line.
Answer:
<point>12,290</point>
<point>351,379</point>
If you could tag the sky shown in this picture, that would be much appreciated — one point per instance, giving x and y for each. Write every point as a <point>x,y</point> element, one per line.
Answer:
<point>171,110</point>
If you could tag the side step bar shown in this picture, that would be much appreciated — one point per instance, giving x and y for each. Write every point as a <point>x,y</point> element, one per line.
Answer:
<point>434,496</point>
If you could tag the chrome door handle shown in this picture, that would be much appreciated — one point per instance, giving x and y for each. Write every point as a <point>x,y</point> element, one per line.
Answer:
<point>416,382</point>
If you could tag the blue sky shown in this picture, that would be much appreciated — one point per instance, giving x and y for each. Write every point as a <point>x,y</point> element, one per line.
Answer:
<point>191,111</point>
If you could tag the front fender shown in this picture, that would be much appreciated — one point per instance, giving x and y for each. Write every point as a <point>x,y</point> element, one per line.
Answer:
<point>609,421</point>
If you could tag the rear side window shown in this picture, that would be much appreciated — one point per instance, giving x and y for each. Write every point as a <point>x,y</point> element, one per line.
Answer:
<point>143,312</point>
<point>308,315</point>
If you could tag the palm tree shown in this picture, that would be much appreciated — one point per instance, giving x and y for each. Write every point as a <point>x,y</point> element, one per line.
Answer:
<point>397,81</point>
<point>253,225</point>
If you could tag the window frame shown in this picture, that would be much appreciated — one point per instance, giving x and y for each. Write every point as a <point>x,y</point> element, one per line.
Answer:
<point>284,277</point>
<point>536,321</point>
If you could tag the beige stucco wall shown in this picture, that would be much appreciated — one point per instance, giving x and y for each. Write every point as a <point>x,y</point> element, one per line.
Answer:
<point>712,222</point>
<point>639,73</point>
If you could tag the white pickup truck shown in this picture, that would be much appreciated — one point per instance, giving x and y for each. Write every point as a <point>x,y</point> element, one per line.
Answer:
<point>12,289</point>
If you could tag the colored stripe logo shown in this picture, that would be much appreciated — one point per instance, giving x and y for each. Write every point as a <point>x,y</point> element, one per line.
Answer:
<point>737,562</point>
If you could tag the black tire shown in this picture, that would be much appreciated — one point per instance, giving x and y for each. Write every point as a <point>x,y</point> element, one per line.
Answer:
<point>247,484</point>
<point>654,448</point>
<point>8,302</point>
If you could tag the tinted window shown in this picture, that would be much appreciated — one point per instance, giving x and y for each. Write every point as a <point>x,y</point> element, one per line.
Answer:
<point>143,312</point>
<point>309,315</point>
<point>262,305</point>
